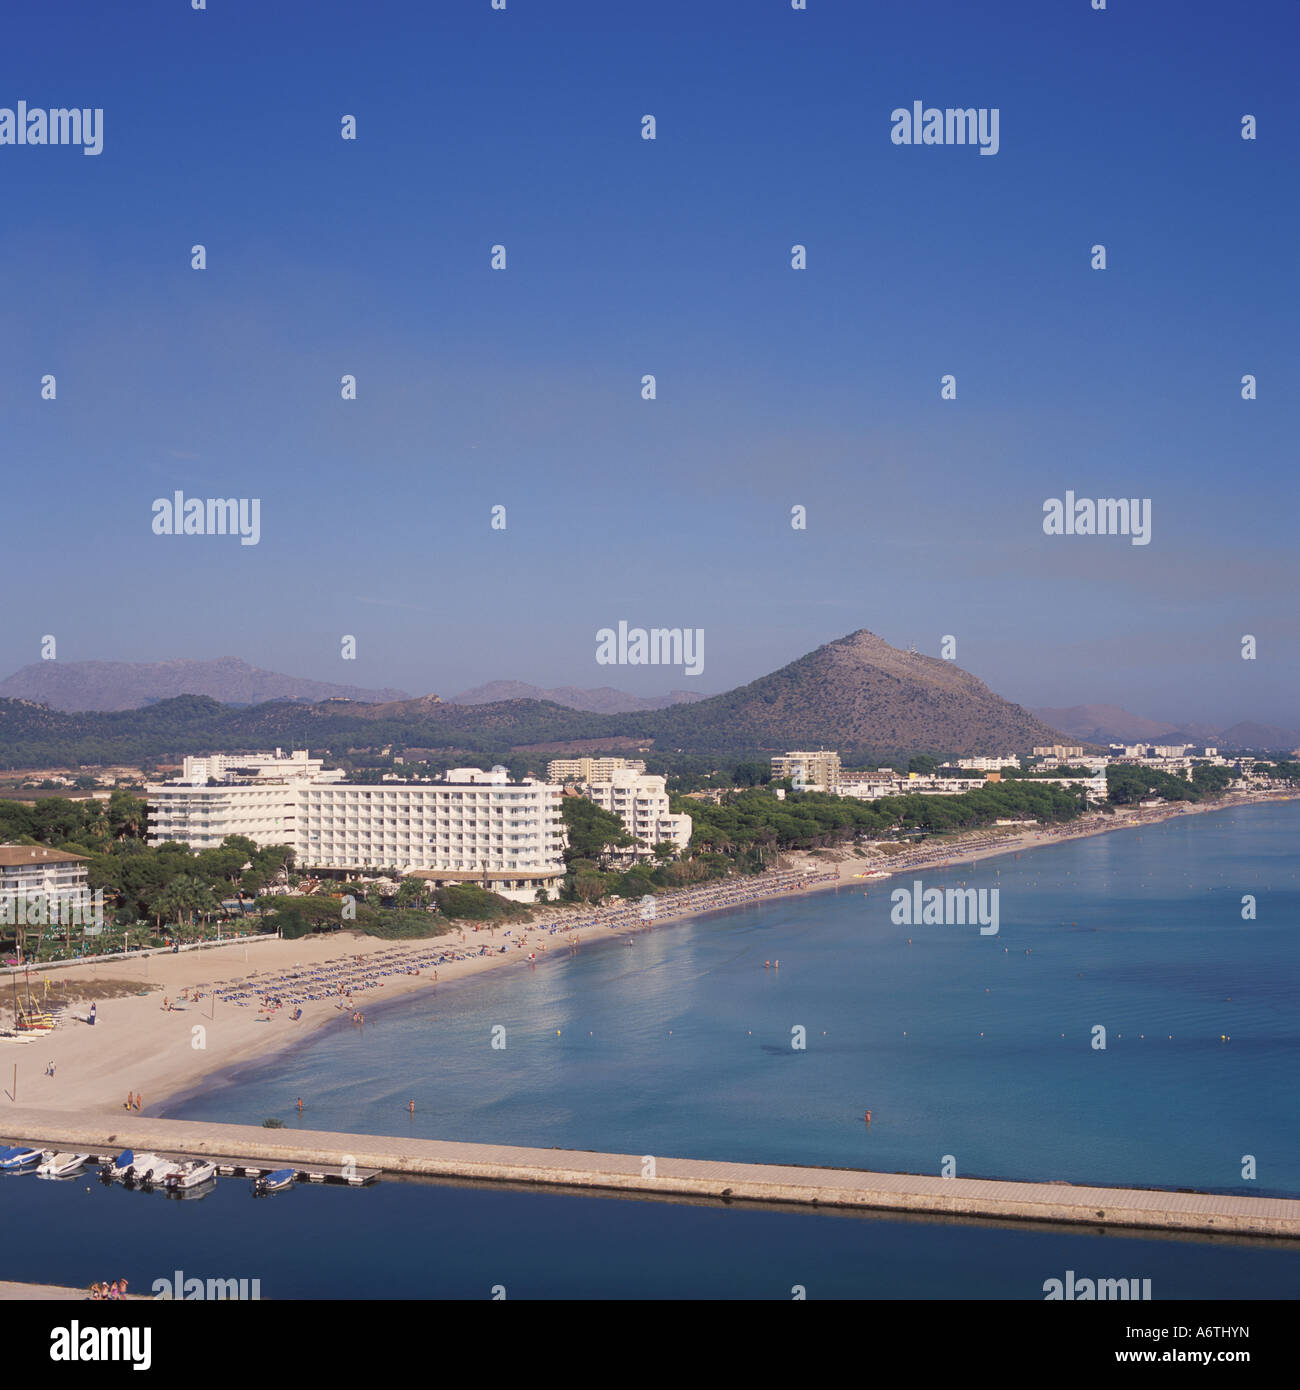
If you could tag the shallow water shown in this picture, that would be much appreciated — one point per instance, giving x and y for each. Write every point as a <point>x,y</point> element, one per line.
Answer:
<point>975,1048</point>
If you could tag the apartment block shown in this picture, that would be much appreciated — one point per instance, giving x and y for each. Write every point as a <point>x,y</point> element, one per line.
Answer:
<point>815,772</point>
<point>561,770</point>
<point>472,827</point>
<point>641,803</point>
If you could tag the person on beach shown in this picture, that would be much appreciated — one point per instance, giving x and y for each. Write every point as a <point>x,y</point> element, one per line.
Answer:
<point>129,1099</point>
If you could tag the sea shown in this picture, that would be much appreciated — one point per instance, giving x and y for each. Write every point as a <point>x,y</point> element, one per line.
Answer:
<point>1132,1021</point>
<point>980,1055</point>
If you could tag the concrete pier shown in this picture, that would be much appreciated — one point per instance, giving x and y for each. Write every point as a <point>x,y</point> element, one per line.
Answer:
<point>318,1151</point>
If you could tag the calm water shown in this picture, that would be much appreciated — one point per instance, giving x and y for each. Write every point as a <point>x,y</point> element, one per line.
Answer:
<point>963,1045</point>
<point>406,1239</point>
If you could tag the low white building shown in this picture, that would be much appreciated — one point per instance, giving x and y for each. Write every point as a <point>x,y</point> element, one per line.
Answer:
<point>989,764</point>
<point>640,800</point>
<point>32,870</point>
<point>1094,784</point>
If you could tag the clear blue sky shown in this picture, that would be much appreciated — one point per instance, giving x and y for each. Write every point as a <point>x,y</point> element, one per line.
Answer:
<point>775,387</point>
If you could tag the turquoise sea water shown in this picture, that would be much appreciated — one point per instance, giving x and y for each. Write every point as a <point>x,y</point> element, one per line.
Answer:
<point>978,1047</point>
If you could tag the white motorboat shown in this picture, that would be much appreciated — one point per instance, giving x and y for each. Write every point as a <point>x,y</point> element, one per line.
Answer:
<point>60,1165</point>
<point>190,1174</point>
<point>148,1171</point>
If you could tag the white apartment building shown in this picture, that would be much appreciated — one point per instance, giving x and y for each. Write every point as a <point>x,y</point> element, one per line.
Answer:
<point>641,803</point>
<point>230,767</point>
<point>560,770</point>
<point>32,870</point>
<point>989,764</point>
<point>473,827</point>
<point>202,815</point>
<point>815,772</point>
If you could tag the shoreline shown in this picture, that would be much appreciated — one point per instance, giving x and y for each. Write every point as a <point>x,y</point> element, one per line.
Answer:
<point>173,1056</point>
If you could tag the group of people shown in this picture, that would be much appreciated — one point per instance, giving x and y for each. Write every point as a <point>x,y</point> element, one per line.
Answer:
<point>133,1101</point>
<point>112,1292</point>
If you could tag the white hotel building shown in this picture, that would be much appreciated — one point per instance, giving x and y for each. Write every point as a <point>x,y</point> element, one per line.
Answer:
<point>640,800</point>
<point>473,827</point>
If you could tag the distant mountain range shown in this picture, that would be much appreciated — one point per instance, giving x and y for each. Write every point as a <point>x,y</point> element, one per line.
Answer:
<point>1110,724</point>
<point>121,685</point>
<point>858,695</point>
<point>603,700</point>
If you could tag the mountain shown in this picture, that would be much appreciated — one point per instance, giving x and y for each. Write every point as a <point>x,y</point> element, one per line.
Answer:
<point>1249,734</point>
<point>858,694</point>
<point>1109,723</point>
<point>123,685</point>
<point>603,700</point>
<point>1103,724</point>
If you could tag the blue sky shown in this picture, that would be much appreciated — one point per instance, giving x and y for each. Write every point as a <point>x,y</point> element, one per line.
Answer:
<point>775,387</point>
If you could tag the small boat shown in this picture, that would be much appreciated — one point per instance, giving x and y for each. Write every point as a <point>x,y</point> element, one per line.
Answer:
<point>60,1165</point>
<point>147,1171</point>
<point>274,1182</point>
<point>117,1167</point>
<point>14,1160</point>
<point>189,1174</point>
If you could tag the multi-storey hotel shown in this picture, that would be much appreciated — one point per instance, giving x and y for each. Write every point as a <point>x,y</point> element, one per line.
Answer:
<point>473,827</point>
<point>590,769</point>
<point>641,802</point>
<point>816,772</point>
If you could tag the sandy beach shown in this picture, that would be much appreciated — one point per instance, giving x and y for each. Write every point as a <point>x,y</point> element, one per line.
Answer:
<point>158,1052</point>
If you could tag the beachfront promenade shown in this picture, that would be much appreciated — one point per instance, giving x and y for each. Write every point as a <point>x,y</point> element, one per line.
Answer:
<point>837,1187</point>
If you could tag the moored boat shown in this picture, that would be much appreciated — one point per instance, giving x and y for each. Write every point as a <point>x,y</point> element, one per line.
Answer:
<point>15,1160</point>
<point>117,1167</point>
<point>274,1182</point>
<point>148,1170</point>
<point>60,1165</point>
<point>190,1174</point>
